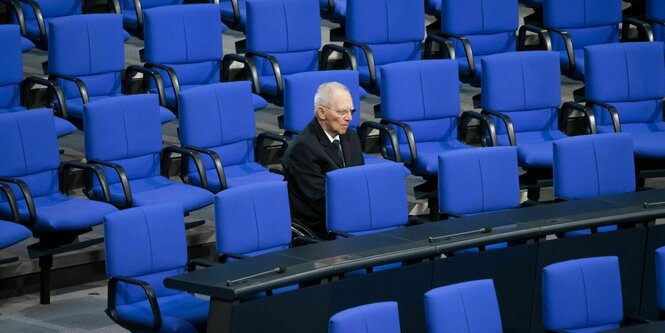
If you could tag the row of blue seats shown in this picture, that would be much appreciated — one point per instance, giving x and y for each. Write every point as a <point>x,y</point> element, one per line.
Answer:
<point>579,295</point>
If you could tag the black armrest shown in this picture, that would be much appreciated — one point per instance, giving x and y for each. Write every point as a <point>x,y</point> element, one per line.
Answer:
<point>384,130</point>
<point>644,31</point>
<point>544,39</point>
<point>53,91</point>
<point>83,91</point>
<point>467,50</point>
<point>631,319</point>
<point>333,233</point>
<point>410,139</point>
<point>507,122</point>
<point>486,124</point>
<point>27,196</point>
<point>331,7</point>
<point>275,68</point>
<point>568,41</point>
<point>147,73</point>
<point>347,54</point>
<point>611,109</point>
<point>124,180</point>
<point>14,6</point>
<point>224,257</point>
<point>39,16</point>
<point>139,15</point>
<point>173,76</point>
<point>11,200</point>
<point>568,107</point>
<point>65,172</point>
<point>259,146</point>
<point>236,13</point>
<point>152,299</point>
<point>444,43</point>
<point>114,7</point>
<point>167,152</point>
<point>369,56</point>
<point>192,264</point>
<point>251,72</point>
<point>302,240</point>
<point>218,166</point>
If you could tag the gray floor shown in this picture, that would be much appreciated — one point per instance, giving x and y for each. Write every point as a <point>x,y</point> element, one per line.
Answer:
<point>81,308</point>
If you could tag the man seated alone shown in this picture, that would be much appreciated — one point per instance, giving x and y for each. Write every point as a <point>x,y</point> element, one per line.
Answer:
<point>325,144</point>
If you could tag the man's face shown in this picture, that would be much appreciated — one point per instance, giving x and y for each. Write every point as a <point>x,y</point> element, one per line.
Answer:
<point>336,117</point>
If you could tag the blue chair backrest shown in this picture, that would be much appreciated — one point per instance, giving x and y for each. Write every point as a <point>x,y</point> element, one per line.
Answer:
<point>90,47</point>
<point>125,130</point>
<point>370,318</point>
<point>289,30</point>
<point>147,243</point>
<point>630,77</point>
<point>186,38</point>
<point>478,180</point>
<point>425,95</point>
<point>656,11</point>
<point>588,22</point>
<point>366,199</point>
<point>489,25</point>
<point>31,151</point>
<point>525,86</point>
<point>253,219</point>
<point>299,91</point>
<point>219,117</point>
<point>392,28</point>
<point>582,293</point>
<point>11,62</point>
<point>463,307</point>
<point>660,278</point>
<point>52,9</point>
<point>591,166</point>
<point>147,4</point>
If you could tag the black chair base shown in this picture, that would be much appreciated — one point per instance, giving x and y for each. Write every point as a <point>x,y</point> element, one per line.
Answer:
<point>534,179</point>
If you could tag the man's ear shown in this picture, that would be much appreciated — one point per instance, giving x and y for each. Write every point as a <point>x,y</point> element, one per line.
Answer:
<point>320,114</point>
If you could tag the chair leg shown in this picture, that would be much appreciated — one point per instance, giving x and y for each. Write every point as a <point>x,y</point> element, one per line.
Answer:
<point>45,264</point>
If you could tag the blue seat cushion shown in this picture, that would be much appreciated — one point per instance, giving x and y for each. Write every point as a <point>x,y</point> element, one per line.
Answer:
<point>238,175</point>
<point>534,149</point>
<point>428,154</point>
<point>180,313</point>
<point>12,233</point>
<point>75,108</point>
<point>649,145</point>
<point>26,45</point>
<point>154,190</point>
<point>258,101</point>
<point>62,127</point>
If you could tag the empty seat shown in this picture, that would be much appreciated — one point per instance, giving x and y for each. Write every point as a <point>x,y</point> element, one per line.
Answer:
<point>371,318</point>
<point>15,11</point>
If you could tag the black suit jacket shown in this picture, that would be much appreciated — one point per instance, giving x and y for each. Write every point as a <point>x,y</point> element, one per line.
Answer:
<point>306,161</point>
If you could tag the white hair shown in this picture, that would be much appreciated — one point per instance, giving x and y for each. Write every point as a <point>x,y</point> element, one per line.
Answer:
<point>324,93</point>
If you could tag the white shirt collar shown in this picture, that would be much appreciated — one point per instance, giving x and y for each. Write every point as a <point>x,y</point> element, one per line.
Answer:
<point>331,138</point>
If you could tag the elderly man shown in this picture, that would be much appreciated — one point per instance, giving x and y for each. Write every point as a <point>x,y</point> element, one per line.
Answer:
<point>325,144</point>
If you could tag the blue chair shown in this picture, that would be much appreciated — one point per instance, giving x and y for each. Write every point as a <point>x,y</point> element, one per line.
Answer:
<point>463,307</point>
<point>132,12</point>
<point>15,14</point>
<point>14,92</point>
<point>184,45</point>
<point>660,280</point>
<point>123,136</point>
<point>655,14</point>
<point>30,166</point>
<point>11,231</point>
<point>283,38</point>
<point>38,14</point>
<point>392,34</point>
<point>380,317</point>
<point>582,295</point>
<point>88,71</point>
<point>217,121</point>
<point>521,91</point>
<point>575,24</point>
<point>143,246</point>
<point>633,102</point>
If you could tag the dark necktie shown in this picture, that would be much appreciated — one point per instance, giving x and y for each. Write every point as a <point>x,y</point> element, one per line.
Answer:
<point>339,151</point>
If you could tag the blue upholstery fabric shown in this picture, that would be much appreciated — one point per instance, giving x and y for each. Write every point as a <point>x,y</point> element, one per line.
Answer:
<point>582,295</point>
<point>126,130</point>
<point>463,307</point>
<point>148,244</point>
<point>187,39</point>
<point>591,166</point>
<point>253,218</point>
<point>370,318</point>
<point>287,30</point>
<point>424,95</point>
<point>660,277</point>
<point>129,11</point>
<point>220,117</point>
<point>12,233</point>
<point>393,32</point>
<point>50,10</point>
<point>489,25</point>
<point>33,158</point>
<point>656,13</point>
<point>366,198</point>
<point>630,77</point>
<point>588,22</point>
<point>489,177</point>
<point>526,86</point>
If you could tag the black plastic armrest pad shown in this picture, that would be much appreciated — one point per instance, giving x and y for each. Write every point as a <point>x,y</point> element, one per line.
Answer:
<point>122,175</point>
<point>147,73</point>
<point>251,73</point>
<point>259,147</point>
<point>303,240</point>
<point>27,196</point>
<point>275,68</point>
<point>39,17</point>
<point>442,41</point>
<point>369,56</point>
<point>173,77</point>
<point>65,172</point>
<point>83,91</point>
<point>18,12</point>
<point>643,28</point>
<point>543,35</point>
<point>507,122</point>
<point>485,122</point>
<point>570,51</point>
<point>225,256</point>
<point>467,50</point>
<point>217,162</point>
<point>616,123</point>
<point>139,15</point>
<point>114,7</point>
<point>11,200</point>
<point>152,299</point>
<point>363,132</point>
<point>567,108</point>
<point>52,89</point>
<point>167,152</point>
<point>347,54</point>
<point>410,139</point>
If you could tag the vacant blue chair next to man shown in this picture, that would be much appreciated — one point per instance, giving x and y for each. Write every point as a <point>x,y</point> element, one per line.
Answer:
<point>380,317</point>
